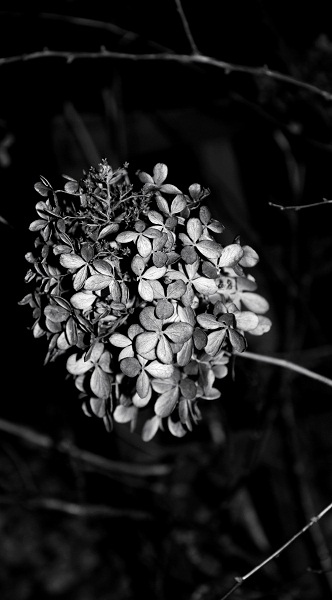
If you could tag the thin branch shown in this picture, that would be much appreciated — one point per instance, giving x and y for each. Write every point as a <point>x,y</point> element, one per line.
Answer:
<point>276,554</point>
<point>186,27</point>
<point>85,457</point>
<point>125,34</point>
<point>286,364</point>
<point>86,510</point>
<point>281,207</point>
<point>185,59</point>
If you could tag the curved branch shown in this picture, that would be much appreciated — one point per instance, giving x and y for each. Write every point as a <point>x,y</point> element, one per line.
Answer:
<point>185,59</point>
<point>286,364</point>
<point>85,457</point>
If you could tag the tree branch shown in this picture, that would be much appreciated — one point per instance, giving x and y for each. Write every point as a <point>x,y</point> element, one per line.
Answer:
<point>276,554</point>
<point>286,364</point>
<point>281,207</point>
<point>186,27</point>
<point>85,457</point>
<point>185,59</point>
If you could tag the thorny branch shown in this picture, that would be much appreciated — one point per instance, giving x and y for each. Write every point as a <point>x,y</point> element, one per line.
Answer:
<point>186,27</point>
<point>185,59</point>
<point>276,554</point>
<point>301,206</point>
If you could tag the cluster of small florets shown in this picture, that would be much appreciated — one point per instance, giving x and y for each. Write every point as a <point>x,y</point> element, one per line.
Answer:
<point>134,287</point>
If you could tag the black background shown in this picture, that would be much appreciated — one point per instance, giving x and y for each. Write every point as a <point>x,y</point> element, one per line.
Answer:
<point>258,467</point>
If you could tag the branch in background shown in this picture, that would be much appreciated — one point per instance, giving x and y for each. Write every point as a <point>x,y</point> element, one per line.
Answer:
<point>186,27</point>
<point>281,207</point>
<point>86,510</point>
<point>85,457</point>
<point>185,59</point>
<point>276,554</point>
<point>286,364</point>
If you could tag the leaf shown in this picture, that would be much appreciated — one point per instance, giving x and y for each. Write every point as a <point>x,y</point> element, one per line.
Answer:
<point>71,187</point>
<point>150,428</point>
<point>176,428</point>
<point>97,282</point>
<point>119,340</point>
<point>154,272</point>
<point>189,255</point>
<point>143,384</point>
<point>103,267</point>
<point>200,338</point>
<point>176,290</point>
<point>230,255</point>
<point>77,367</point>
<point>71,261</point>
<point>237,340</point>
<point>157,369</point>
<point>41,188</point>
<point>145,290</point>
<point>168,188</point>
<point>204,214</point>
<point>209,249</point>
<point>37,225</point>
<point>144,246</point>
<point>56,313</point>
<point>194,229</point>
<point>98,407</point>
<point>179,332</point>
<point>255,302</point>
<point>124,414</point>
<point>80,277</point>
<point>130,367</point>
<point>155,217</point>
<point>205,286</point>
<point>250,257</point>
<point>145,342</point>
<point>208,321</point>
<point>178,204</point>
<point>164,351</point>
<point>141,402</point>
<point>137,265</point>
<point>100,383</point>
<point>184,355</point>
<point>148,320</point>
<point>71,331</point>
<point>111,228</point>
<point>264,325</point>
<point>82,300</point>
<point>166,403</point>
<point>215,340</point>
<point>126,236</point>
<point>188,389</point>
<point>246,320</point>
<point>160,172</point>
<point>164,309</point>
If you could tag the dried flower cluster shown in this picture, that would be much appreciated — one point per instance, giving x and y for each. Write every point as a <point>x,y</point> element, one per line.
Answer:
<point>134,287</point>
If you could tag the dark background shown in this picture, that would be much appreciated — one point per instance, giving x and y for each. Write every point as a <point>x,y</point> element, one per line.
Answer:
<point>259,465</point>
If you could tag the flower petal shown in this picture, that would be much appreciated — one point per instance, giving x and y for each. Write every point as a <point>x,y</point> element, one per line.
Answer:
<point>166,403</point>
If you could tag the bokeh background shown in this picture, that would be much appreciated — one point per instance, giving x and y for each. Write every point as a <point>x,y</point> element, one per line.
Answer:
<point>122,519</point>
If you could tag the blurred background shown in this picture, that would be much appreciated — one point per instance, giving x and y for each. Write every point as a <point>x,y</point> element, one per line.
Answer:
<point>122,519</point>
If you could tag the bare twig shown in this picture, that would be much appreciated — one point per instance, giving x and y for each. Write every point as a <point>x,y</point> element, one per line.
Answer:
<point>186,27</point>
<point>85,457</point>
<point>313,205</point>
<point>86,510</point>
<point>239,580</point>
<point>286,364</point>
<point>186,59</point>
<point>124,34</point>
